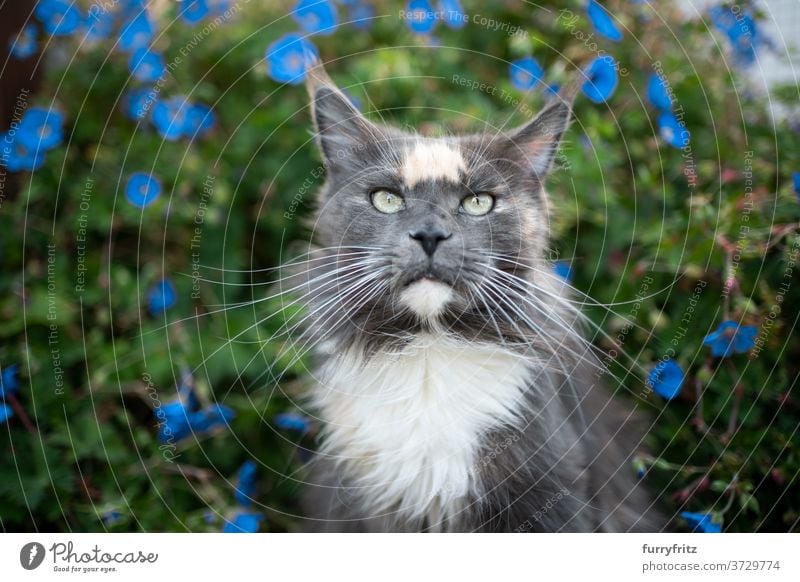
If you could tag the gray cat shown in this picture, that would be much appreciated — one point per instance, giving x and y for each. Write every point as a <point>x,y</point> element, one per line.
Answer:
<point>455,388</point>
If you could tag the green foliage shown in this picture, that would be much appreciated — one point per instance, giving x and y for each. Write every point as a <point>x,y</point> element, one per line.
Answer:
<point>624,213</point>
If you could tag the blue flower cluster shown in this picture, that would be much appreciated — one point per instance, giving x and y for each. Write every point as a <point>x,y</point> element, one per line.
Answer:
<point>177,117</point>
<point>672,130</point>
<point>8,385</point>
<point>24,145</point>
<point>666,378</point>
<point>422,17</point>
<point>183,417</point>
<point>288,57</point>
<point>601,74</point>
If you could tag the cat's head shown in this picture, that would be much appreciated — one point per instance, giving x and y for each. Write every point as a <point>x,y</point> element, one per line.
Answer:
<point>437,214</point>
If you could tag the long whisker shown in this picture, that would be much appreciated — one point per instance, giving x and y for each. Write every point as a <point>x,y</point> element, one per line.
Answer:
<point>294,261</point>
<point>238,335</point>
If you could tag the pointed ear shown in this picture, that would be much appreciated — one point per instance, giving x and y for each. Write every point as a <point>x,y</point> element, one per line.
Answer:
<point>341,129</point>
<point>537,141</point>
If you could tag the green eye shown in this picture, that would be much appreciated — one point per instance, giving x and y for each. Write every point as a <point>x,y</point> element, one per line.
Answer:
<point>387,202</point>
<point>478,204</point>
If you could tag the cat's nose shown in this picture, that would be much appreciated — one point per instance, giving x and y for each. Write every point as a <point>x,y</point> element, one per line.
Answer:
<point>429,238</point>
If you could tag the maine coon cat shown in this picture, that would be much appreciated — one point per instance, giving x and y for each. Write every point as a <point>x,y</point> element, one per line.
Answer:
<point>454,387</point>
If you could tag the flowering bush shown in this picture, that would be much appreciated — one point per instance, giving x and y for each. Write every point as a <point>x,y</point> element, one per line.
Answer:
<point>165,165</point>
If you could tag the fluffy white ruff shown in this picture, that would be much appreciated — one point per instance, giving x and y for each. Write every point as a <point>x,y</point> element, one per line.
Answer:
<point>407,426</point>
<point>431,160</point>
<point>426,298</point>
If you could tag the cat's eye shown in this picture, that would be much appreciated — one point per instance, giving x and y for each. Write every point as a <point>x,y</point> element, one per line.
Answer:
<point>477,204</point>
<point>387,201</point>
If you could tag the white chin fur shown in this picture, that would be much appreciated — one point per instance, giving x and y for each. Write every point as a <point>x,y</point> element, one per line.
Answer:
<point>426,298</point>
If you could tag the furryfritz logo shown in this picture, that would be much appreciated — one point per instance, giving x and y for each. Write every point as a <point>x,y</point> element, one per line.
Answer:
<point>31,555</point>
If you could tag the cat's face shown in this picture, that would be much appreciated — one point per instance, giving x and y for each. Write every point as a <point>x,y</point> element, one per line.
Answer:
<point>435,215</point>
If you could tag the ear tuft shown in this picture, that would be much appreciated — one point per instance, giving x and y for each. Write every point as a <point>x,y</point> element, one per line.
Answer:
<point>340,127</point>
<point>538,140</point>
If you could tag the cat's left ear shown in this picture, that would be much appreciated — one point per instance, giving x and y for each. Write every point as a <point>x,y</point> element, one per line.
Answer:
<point>537,141</point>
<point>341,128</point>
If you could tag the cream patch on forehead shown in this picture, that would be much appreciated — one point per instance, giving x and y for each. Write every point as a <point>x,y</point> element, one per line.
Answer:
<point>431,160</point>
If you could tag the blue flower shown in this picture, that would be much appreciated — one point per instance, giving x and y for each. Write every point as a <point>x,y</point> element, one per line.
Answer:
<point>161,296</point>
<point>146,65</point>
<point>137,103</point>
<point>360,14</point>
<point>552,89</point>
<point>602,22</point>
<point>211,417</point>
<point>99,22</point>
<point>142,189</point>
<point>288,57</point>
<point>741,31</point>
<point>182,417</point>
<point>601,79</point>
<point>292,421</point>
<point>563,269</point>
<point>111,517</point>
<point>58,17</point>
<point>6,412</point>
<point>41,128</point>
<point>657,93</point>
<point>243,522</point>
<point>731,338</point>
<point>701,522</point>
<point>673,131</point>
<point>18,157</point>
<point>525,73</point>
<point>422,17</point>
<point>194,11</point>
<point>666,379</point>
<point>176,117</point>
<point>9,384</point>
<point>453,14</point>
<point>24,45</point>
<point>169,117</point>
<point>246,486</point>
<point>796,184</point>
<point>200,119</point>
<point>315,16</point>
<point>137,32</point>
<point>173,421</point>
<point>640,467</point>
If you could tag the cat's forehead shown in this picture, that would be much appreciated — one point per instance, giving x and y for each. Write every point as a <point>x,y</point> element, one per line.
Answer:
<point>431,160</point>
<point>450,161</point>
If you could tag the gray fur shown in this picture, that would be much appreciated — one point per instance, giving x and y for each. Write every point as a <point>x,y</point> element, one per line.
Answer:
<point>566,466</point>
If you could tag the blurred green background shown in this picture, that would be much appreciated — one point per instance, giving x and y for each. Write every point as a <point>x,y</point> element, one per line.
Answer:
<point>640,222</point>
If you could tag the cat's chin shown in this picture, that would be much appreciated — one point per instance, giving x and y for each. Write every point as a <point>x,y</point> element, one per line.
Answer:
<point>427,297</point>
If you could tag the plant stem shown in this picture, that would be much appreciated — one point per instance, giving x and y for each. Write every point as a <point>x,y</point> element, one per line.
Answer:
<point>20,412</point>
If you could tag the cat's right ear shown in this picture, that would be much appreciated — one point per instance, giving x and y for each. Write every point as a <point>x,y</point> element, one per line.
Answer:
<point>341,129</point>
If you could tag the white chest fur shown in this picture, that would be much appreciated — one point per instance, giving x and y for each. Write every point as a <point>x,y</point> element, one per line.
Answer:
<point>407,426</point>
